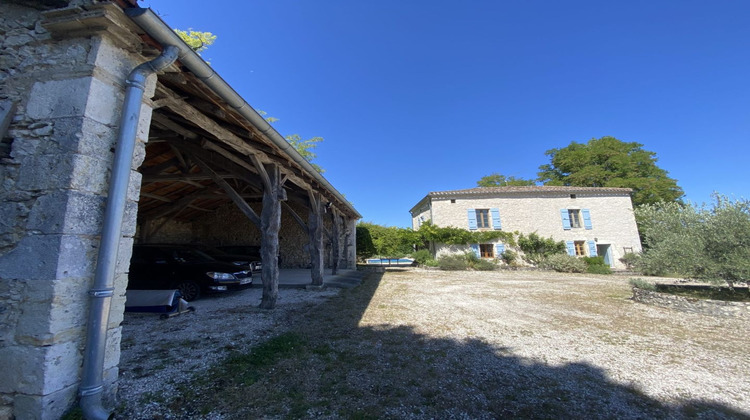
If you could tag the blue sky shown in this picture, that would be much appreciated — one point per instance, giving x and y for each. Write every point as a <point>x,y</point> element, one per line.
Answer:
<point>419,96</point>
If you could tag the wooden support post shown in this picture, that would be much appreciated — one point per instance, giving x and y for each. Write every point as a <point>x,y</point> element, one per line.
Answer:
<point>270,223</point>
<point>335,234</point>
<point>315,231</point>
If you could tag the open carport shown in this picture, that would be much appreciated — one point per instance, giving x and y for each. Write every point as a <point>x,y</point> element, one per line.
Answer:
<point>114,132</point>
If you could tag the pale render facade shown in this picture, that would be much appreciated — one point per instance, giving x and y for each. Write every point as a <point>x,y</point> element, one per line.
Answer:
<point>591,221</point>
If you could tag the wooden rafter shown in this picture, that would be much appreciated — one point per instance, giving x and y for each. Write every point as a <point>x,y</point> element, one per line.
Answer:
<point>236,198</point>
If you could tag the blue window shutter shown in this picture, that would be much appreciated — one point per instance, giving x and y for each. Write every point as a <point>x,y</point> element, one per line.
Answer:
<point>571,248</point>
<point>586,219</point>
<point>592,249</point>
<point>472,219</point>
<point>499,249</point>
<point>496,219</point>
<point>475,248</point>
<point>565,219</point>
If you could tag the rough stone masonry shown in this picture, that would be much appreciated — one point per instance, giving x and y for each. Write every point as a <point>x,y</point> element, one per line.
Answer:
<point>62,74</point>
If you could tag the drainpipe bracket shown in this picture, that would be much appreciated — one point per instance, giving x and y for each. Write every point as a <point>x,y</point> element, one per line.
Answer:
<point>85,392</point>
<point>102,293</point>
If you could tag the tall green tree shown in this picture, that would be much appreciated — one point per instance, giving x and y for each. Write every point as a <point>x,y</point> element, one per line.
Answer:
<point>609,162</point>
<point>499,180</point>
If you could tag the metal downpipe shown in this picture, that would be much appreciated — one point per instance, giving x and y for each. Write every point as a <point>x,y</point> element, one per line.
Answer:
<point>101,293</point>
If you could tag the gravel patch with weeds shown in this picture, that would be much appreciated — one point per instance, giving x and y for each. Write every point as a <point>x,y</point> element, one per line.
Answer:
<point>159,357</point>
<point>431,344</point>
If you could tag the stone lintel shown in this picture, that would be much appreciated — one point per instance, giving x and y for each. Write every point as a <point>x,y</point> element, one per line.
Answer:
<point>94,19</point>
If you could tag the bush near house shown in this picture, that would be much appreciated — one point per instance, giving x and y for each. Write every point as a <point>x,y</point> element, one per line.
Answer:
<point>563,263</point>
<point>452,262</point>
<point>536,248</point>
<point>465,261</point>
<point>631,260</point>
<point>423,257</point>
<point>510,258</point>
<point>596,265</point>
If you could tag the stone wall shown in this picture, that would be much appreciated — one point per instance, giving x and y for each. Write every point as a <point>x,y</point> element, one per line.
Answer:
<point>65,81</point>
<point>700,306</point>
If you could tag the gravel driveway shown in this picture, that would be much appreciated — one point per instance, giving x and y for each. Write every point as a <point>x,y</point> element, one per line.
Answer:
<point>434,344</point>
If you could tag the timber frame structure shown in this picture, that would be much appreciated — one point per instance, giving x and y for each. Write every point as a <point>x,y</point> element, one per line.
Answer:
<point>113,131</point>
<point>202,153</point>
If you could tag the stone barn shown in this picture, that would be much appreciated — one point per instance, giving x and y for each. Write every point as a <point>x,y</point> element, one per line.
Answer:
<point>115,132</point>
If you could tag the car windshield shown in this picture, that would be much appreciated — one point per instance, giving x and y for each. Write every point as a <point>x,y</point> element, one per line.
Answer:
<point>190,255</point>
<point>213,251</point>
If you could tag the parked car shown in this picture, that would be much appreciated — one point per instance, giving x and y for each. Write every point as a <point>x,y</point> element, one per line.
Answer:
<point>249,251</point>
<point>237,258</point>
<point>182,267</point>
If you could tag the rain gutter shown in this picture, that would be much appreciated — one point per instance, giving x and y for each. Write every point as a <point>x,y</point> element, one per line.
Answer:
<point>155,27</point>
<point>103,289</point>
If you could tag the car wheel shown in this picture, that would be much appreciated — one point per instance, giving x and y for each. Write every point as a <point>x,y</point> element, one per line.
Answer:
<point>189,290</point>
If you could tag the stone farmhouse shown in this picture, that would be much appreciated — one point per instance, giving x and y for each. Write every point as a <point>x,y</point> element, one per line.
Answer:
<point>591,221</point>
<point>115,132</point>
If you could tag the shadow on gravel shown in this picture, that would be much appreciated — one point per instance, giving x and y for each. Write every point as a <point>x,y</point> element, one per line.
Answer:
<point>330,367</point>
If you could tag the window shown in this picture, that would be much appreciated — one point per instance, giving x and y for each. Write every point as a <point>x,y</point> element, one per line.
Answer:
<point>579,248</point>
<point>573,196</point>
<point>575,218</point>
<point>483,218</point>
<point>485,251</point>
<point>453,201</point>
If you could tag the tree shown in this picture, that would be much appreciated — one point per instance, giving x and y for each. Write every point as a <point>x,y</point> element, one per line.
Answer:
<point>196,40</point>
<point>388,241</point>
<point>304,147</point>
<point>498,180</point>
<point>705,243</point>
<point>609,162</point>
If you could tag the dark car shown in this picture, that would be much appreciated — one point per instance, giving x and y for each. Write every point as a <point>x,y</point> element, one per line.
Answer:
<point>192,272</point>
<point>237,258</point>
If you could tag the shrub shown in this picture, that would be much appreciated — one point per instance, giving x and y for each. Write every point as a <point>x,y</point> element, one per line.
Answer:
<point>642,284</point>
<point>509,257</point>
<point>431,263</point>
<point>596,265</point>
<point>630,260</point>
<point>452,262</point>
<point>537,248</point>
<point>564,263</point>
<point>422,256</point>
<point>484,265</point>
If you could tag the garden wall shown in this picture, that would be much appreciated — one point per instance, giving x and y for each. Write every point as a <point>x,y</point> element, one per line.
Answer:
<point>693,305</point>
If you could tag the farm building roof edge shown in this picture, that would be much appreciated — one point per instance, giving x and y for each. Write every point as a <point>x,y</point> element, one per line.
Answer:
<point>159,31</point>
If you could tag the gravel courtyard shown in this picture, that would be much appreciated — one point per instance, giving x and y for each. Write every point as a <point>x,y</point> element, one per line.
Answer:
<point>434,344</point>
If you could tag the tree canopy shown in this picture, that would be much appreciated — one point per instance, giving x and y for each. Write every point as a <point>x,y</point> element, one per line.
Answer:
<point>196,40</point>
<point>498,180</point>
<point>303,147</point>
<point>706,243</point>
<point>609,162</point>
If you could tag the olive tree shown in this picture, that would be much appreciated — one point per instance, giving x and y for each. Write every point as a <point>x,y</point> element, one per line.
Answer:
<point>710,243</point>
